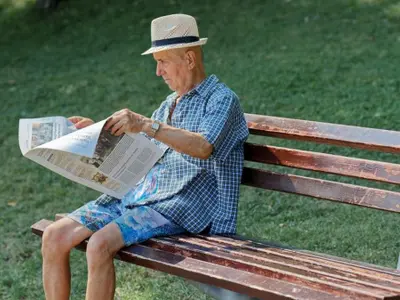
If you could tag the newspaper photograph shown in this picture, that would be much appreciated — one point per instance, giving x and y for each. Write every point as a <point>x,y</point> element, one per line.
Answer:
<point>91,156</point>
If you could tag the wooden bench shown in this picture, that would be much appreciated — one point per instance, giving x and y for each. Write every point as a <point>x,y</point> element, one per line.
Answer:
<point>268,271</point>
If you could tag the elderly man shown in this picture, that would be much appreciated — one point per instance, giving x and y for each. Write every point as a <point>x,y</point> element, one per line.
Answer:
<point>193,188</point>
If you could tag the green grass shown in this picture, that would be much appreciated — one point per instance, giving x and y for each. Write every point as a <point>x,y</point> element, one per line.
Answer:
<point>331,61</point>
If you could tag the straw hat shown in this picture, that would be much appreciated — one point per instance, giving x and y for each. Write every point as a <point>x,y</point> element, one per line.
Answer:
<point>174,31</point>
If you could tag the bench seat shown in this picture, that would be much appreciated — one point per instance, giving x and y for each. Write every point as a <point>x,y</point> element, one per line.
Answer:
<point>259,269</point>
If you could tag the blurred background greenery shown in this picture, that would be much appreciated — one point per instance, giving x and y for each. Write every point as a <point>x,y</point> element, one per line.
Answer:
<point>332,61</point>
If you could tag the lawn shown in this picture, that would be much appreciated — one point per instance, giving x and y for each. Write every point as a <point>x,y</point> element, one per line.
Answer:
<point>331,61</point>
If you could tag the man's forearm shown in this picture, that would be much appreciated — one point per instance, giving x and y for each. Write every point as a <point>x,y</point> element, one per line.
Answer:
<point>181,140</point>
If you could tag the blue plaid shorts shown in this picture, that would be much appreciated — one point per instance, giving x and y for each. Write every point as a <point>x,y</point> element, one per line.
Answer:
<point>136,225</point>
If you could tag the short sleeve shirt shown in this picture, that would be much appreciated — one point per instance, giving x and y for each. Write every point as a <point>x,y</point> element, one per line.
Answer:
<point>197,193</point>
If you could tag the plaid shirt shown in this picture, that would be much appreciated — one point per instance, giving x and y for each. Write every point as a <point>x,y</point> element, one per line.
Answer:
<point>200,192</point>
<point>192,192</point>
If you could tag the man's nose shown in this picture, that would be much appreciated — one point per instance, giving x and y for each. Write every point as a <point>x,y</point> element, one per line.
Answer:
<point>158,70</point>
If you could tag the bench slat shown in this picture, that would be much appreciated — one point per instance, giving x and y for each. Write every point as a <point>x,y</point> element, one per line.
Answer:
<point>254,259</point>
<point>218,254</point>
<point>357,267</point>
<point>326,133</point>
<point>243,282</point>
<point>322,189</point>
<point>327,163</point>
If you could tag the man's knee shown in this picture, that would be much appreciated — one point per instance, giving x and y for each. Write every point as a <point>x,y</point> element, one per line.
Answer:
<point>54,241</point>
<point>61,236</point>
<point>99,249</point>
<point>103,245</point>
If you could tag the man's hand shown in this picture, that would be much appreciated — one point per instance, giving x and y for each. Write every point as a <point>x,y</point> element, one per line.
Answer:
<point>81,122</point>
<point>125,120</point>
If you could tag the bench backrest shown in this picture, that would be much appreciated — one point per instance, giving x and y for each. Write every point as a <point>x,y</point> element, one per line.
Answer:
<point>349,136</point>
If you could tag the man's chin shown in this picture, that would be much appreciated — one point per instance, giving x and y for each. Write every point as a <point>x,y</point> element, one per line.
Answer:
<point>170,87</point>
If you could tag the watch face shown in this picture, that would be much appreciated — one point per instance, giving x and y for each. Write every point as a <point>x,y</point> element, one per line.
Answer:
<point>155,126</point>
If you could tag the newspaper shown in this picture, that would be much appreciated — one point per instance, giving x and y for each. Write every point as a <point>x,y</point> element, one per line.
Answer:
<point>91,156</point>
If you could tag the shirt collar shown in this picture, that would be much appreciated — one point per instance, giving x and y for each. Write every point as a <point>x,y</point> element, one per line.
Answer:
<point>205,86</point>
<point>202,88</point>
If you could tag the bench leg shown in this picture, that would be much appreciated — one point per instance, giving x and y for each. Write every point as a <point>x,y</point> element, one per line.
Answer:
<point>220,293</point>
<point>398,263</point>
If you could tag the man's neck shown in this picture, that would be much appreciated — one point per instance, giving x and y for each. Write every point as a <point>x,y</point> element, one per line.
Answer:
<point>197,77</point>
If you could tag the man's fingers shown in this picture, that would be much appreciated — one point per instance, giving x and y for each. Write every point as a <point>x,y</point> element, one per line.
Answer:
<point>110,122</point>
<point>84,123</point>
<point>80,122</point>
<point>120,131</point>
<point>75,119</point>
<point>114,119</point>
<point>117,123</point>
<point>117,126</point>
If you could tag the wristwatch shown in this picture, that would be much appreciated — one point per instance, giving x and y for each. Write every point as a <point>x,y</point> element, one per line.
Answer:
<point>155,126</point>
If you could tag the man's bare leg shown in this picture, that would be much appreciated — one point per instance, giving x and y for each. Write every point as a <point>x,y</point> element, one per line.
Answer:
<point>58,240</point>
<point>101,249</point>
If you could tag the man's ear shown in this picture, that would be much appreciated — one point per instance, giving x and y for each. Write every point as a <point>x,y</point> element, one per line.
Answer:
<point>190,59</point>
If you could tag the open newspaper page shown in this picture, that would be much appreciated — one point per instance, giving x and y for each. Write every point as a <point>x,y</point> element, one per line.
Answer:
<point>36,132</point>
<point>94,157</point>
